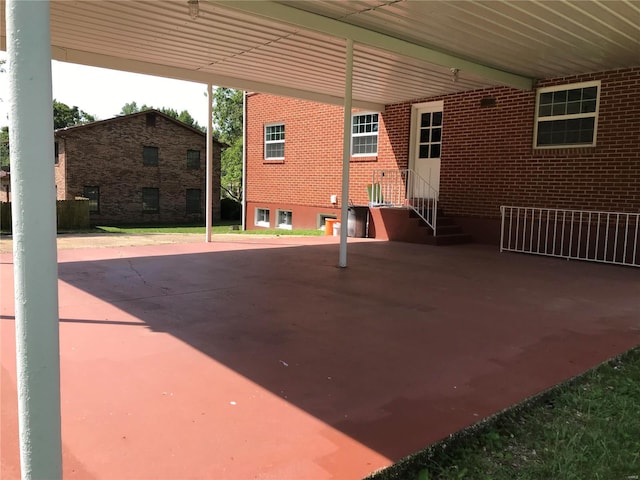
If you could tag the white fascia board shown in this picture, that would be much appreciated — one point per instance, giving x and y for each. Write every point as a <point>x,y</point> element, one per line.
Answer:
<point>135,66</point>
<point>335,28</point>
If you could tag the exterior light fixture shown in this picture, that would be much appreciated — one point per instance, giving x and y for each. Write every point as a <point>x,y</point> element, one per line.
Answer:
<point>454,74</point>
<point>194,9</point>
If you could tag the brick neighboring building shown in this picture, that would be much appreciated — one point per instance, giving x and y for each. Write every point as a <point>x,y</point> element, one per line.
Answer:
<point>5,185</point>
<point>484,144</point>
<point>141,168</point>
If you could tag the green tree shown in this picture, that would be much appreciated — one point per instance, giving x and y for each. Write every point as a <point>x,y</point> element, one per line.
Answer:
<point>227,118</point>
<point>184,116</point>
<point>63,116</point>
<point>130,108</point>
<point>66,116</point>
<point>227,114</point>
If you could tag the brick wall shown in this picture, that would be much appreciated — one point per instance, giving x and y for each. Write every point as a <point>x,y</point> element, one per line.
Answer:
<point>312,168</point>
<point>487,158</point>
<point>60,170</point>
<point>5,189</point>
<point>108,155</point>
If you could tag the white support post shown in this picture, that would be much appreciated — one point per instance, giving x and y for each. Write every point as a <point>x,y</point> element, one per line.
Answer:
<point>346,153</point>
<point>34,238</point>
<point>244,160</point>
<point>209,169</point>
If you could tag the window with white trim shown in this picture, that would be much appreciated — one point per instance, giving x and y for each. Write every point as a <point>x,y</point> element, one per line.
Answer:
<point>274,141</point>
<point>567,115</point>
<point>364,134</point>
<point>262,217</point>
<point>285,219</point>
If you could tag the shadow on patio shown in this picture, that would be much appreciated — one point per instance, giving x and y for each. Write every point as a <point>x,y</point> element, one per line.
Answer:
<point>341,371</point>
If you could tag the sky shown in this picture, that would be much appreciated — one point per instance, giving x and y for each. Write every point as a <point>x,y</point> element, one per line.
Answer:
<point>103,93</point>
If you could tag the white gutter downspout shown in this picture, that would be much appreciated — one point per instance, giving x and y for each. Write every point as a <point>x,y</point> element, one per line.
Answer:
<point>34,238</point>
<point>346,153</point>
<point>244,160</point>
<point>209,169</point>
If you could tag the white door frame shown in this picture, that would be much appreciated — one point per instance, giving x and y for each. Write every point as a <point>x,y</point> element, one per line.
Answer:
<point>416,110</point>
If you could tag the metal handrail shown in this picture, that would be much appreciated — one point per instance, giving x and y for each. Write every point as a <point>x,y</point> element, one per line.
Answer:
<point>405,189</point>
<point>595,236</point>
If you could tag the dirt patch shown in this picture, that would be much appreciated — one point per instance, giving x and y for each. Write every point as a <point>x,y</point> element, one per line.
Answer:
<point>92,240</point>
<point>106,240</point>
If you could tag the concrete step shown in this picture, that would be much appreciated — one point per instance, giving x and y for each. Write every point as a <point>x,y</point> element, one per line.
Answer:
<point>405,225</point>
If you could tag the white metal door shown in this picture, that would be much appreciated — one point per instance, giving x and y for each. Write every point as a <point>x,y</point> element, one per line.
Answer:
<point>426,142</point>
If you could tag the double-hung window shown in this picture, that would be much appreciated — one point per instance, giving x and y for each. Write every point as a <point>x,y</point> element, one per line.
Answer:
<point>567,115</point>
<point>150,200</point>
<point>150,156</point>
<point>194,200</point>
<point>364,134</point>
<point>193,159</point>
<point>274,142</point>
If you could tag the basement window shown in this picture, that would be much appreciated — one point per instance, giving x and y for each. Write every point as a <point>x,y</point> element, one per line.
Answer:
<point>262,217</point>
<point>567,115</point>
<point>285,219</point>
<point>322,219</point>
<point>364,135</point>
<point>274,142</point>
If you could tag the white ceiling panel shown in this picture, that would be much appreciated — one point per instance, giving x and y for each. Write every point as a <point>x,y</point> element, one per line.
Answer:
<point>404,49</point>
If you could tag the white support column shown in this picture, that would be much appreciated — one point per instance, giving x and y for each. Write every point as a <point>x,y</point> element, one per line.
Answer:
<point>209,169</point>
<point>346,154</point>
<point>34,238</point>
<point>244,160</point>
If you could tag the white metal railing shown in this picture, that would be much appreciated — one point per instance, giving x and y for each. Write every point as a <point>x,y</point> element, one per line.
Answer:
<point>406,189</point>
<point>607,237</point>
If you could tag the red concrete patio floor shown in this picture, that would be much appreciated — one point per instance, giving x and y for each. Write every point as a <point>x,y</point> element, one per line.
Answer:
<point>261,359</point>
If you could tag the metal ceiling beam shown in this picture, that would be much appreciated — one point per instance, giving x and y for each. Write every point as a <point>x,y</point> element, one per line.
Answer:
<point>335,28</point>
<point>135,66</point>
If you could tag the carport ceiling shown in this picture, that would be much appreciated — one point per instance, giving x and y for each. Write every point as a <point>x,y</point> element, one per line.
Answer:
<point>405,49</point>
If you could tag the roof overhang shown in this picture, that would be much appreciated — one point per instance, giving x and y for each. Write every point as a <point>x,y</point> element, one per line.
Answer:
<point>404,49</point>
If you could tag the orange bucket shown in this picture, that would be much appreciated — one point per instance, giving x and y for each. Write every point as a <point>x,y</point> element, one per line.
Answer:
<point>328,226</point>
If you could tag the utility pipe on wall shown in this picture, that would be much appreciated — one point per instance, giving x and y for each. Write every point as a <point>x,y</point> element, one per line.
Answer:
<point>346,153</point>
<point>209,169</point>
<point>34,238</point>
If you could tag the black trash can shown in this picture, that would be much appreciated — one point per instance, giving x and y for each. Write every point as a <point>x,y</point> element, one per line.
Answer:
<point>357,221</point>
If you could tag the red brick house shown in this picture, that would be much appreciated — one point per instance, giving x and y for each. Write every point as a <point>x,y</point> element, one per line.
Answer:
<point>141,168</point>
<point>571,143</point>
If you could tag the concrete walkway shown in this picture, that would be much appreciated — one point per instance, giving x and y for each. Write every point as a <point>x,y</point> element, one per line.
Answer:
<point>258,358</point>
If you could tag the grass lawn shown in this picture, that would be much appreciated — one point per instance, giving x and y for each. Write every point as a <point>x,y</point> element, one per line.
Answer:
<point>226,228</point>
<point>588,428</point>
